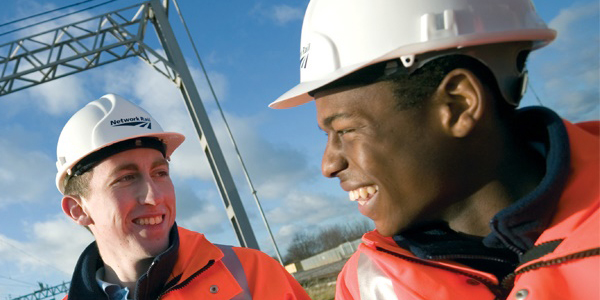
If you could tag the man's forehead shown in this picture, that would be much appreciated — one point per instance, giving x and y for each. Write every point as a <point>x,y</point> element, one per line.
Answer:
<point>347,102</point>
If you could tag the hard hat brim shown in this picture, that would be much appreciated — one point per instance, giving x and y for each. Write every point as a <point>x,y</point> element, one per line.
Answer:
<point>298,95</point>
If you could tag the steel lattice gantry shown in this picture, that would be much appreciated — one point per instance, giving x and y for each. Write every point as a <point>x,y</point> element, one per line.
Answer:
<point>46,292</point>
<point>108,38</point>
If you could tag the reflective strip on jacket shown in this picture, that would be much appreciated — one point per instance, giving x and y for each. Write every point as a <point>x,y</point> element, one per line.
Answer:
<point>204,275</point>
<point>382,270</point>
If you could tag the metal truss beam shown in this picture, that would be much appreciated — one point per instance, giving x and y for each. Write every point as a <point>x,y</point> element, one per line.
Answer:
<point>46,292</point>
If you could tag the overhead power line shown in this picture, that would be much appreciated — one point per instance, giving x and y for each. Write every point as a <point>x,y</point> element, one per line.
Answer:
<point>45,13</point>
<point>56,18</point>
<point>17,280</point>
<point>3,239</point>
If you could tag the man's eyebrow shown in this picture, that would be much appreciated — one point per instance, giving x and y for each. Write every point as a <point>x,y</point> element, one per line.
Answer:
<point>327,121</point>
<point>159,162</point>
<point>126,166</point>
<point>134,167</point>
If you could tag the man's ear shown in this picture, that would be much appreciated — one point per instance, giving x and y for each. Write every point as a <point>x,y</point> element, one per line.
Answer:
<point>73,208</point>
<point>462,95</point>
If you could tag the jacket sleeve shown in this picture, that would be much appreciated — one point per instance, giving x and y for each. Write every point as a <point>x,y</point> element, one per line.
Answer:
<point>267,279</point>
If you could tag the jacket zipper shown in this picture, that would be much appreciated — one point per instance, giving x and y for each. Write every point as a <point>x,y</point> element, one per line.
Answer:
<point>189,279</point>
<point>508,281</point>
<point>495,289</point>
<point>457,256</point>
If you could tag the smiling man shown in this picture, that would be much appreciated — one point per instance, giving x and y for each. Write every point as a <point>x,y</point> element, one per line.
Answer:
<point>471,198</point>
<point>113,170</point>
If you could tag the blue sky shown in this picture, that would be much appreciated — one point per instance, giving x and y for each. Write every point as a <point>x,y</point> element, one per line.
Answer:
<point>250,49</point>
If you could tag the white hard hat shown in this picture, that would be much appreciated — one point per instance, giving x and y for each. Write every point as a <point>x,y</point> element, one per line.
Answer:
<point>108,121</point>
<point>341,36</point>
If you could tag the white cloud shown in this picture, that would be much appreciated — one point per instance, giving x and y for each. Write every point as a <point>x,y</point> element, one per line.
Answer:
<point>60,96</point>
<point>50,237</point>
<point>274,168</point>
<point>22,171</point>
<point>195,211</point>
<point>285,235</point>
<point>310,208</point>
<point>52,246</point>
<point>280,14</point>
<point>284,14</point>
<point>567,19</point>
<point>569,68</point>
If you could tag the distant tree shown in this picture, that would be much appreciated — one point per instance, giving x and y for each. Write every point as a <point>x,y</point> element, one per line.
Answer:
<point>303,245</point>
<point>306,244</point>
<point>356,229</point>
<point>331,237</point>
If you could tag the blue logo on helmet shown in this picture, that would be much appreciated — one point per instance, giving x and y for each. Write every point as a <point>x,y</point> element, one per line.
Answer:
<point>134,121</point>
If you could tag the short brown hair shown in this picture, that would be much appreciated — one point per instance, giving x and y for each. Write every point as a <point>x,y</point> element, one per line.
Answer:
<point>79,185</point>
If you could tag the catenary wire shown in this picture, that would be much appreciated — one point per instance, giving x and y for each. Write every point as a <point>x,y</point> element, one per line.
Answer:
<point>19,281</point>
<point>56,18</point>
<point>44,13</point>
<point>534,93</point>
<point>254,192</point>
<point>3,239</point>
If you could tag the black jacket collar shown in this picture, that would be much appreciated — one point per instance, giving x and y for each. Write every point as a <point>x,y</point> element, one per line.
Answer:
<point>149,286</point>
<point>520,225</point>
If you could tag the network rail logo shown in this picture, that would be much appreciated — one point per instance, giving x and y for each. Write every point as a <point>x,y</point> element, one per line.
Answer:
<point>304,56</point>
<point>134,121</point>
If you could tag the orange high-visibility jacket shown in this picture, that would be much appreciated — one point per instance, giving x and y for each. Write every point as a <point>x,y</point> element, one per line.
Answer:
<point>380,269</point>
<point>266,278</point>
<point>201,271</point>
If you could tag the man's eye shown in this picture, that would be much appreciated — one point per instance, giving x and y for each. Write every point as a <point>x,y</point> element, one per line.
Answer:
<point>344,131</point>
<point>163,173</point>
<point>125,178</point>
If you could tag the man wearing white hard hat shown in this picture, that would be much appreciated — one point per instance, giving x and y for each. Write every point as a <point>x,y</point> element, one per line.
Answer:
<point>471,197</point>
<point>113,170</point>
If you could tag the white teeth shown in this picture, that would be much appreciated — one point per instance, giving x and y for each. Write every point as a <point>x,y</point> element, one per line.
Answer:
<point>371,190</point>
<point>149,221</point>
<point>362,193</point>
<point>362,202</point>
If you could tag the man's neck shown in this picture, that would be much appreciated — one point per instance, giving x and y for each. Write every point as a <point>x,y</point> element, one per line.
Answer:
<point>472,215</point>
<point>517,175</point>
<point>125,271</point>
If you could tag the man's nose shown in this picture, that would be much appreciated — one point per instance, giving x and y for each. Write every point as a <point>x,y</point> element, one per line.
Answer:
<point>333,161</point>
<point>151,193</point>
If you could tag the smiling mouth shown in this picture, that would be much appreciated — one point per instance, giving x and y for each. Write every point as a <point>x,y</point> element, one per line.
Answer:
<point>149,221</point>
<point>363,194</point>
